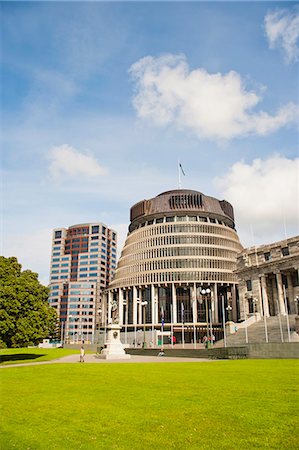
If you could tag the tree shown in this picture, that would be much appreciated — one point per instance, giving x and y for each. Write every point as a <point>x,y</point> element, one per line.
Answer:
<point>25,315</point>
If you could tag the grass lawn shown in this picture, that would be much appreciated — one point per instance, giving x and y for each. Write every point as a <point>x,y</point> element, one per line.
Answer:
<point>243,404</point>
<point>28,355</point>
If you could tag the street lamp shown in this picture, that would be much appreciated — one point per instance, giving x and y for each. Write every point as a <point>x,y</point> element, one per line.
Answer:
<point>206,293</point>
<point>144,304</point>
<point>229,312</point>
<point>255,302</point>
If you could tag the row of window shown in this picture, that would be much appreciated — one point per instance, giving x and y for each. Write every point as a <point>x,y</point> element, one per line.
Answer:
<point>164,277</point>
<point>178,264</point>
<point>165,252</point>
<point>187,239</point>
<point>181,219</point>
<point>183,228</point>
<point>61,277</point>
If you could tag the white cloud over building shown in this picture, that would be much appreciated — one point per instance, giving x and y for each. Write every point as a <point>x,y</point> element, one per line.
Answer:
<point>211,105</point>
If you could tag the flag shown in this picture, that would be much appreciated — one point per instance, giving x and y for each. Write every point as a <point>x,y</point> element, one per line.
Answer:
<point>162,316</point>
<point>182,170</point>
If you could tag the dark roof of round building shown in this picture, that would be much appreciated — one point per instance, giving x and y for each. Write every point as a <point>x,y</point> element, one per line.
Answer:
<point>180,202</point>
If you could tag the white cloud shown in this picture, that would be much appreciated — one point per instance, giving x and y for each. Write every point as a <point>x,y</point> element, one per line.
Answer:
<point>265,196</point>
<point>67,161</point>
<point>212,106</point>
<point>282,30</point>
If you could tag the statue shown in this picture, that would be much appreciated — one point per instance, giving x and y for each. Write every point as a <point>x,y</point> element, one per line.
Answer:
<point>114,312</point>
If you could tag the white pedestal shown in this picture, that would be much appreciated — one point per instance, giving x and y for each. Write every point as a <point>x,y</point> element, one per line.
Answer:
<point>113,347</point>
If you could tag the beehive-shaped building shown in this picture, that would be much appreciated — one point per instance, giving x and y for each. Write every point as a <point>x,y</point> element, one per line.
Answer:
<point>177,266</point>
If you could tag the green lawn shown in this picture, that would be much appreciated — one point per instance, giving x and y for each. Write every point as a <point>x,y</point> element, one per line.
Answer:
<point>243,404</point>
<point>28,355</point>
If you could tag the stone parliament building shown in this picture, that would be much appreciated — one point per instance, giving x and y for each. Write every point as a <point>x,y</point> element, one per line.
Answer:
<point>268,279</point>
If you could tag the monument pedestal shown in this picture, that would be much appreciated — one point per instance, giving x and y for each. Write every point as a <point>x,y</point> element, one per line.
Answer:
<point>113,347</point>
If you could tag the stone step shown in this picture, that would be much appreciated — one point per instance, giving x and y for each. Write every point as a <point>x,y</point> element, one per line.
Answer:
<point>256,332</point>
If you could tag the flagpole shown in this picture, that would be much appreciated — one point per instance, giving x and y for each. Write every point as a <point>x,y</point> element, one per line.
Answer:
<point>179,174</point>
<point>162,329</point>
<point>171,324</point>
<point>183,330</point>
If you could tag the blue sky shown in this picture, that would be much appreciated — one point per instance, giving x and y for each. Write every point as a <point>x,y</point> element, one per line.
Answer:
<point>101,99</point>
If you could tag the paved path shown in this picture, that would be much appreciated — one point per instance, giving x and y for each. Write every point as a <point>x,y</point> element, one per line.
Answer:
<point>74,359</point>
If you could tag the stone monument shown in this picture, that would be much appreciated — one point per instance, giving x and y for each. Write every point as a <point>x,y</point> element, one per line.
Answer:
<point>113,346</point>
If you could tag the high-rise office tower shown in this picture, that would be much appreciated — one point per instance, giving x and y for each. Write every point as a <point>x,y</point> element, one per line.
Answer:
<point>83,261</point>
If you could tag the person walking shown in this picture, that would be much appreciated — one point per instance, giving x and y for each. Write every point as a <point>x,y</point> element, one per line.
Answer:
<point>82,354</point>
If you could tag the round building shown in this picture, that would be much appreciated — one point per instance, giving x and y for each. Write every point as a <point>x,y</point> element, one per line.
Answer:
<point>175,276</point>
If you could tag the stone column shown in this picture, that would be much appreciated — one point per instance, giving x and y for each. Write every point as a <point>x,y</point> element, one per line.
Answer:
<point>194,303</point>
<point>174,303</point>
<point>215,317</point>
<point>135,305</point>
<point>120,306</point>
<point>140,315</point>
<point>153,299</point>
<point>234,304</point>
<point>280,294</point>
<point>110,298</point>
<point>292,305</point>
<point>264,296</point>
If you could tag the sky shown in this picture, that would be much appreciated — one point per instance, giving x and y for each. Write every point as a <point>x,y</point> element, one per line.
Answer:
<point>100,100</point>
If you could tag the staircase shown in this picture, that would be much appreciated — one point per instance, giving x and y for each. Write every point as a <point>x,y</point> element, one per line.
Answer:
<point>256,332</point>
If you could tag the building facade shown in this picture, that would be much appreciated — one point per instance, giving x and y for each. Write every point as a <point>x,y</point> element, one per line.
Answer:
<point>83,261</point>
<point>177,267</point>
<point>268,279</point>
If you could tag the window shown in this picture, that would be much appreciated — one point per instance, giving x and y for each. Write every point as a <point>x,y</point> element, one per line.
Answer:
<point>83,269</point>
<point>93,262</point>
<point>103,230</point>
<point>267,256</point>
<point>63,276</point>
<point>93,268</point>
<point>95,229</point>
<point>285,251</point>
<point>55,271</point>
<point>169,219</point>
<point>93,244</point>
<point>57,242</point>
<point>249,285</point>
<point>58,234</point>
<point>64,270</point>
<point>56,247</point>
<point>55,259</point>
<point>56,254</point>
<point>94,256</point>
<point>65,259</point>
<point>94,238</point>
<point>160,220</point>
<point>55,265</point>
<point>83,256</point>
<point>113,236</point>
<point>94,249</point>
<point>54,277</point>
<point>65,265</point>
